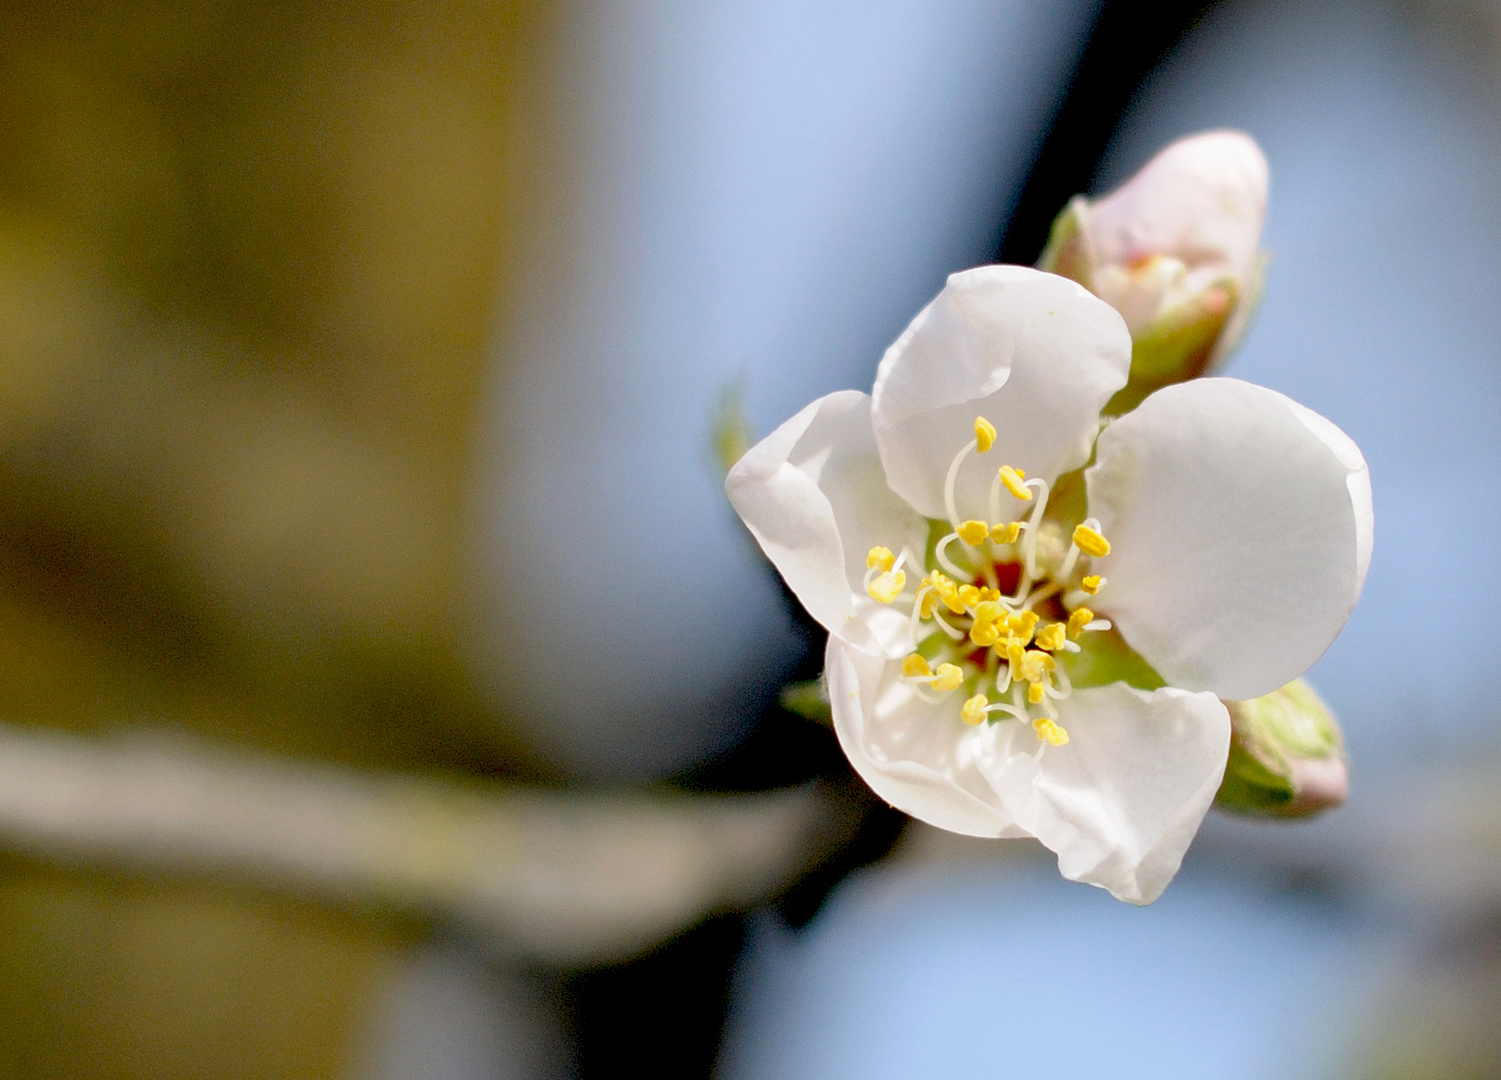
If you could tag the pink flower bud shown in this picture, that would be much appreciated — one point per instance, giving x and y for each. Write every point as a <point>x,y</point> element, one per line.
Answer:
<point>1175,250</point>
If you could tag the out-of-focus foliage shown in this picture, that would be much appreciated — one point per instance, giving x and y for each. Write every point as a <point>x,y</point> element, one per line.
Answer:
<point>106,977</point>
<point>248,268</point>
<point>250,255</point>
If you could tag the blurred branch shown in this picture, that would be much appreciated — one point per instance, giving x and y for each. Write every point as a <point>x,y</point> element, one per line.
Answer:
<point>1129,40</point>
<point>560,877</point>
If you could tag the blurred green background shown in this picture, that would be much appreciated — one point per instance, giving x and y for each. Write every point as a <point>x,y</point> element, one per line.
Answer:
<point>250,256</point>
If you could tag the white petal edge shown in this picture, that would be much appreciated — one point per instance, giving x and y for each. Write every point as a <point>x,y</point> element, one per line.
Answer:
<point>1121,801</point>
<point>814,496</point>
<point>1241,526</point>
<point>919,757</point>
<point>1035,354</point>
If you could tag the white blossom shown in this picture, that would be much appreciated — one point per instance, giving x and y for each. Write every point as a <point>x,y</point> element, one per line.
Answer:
<point>1021,645</point>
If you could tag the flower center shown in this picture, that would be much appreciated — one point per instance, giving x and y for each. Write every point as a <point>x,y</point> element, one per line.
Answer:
<point>989,620</point>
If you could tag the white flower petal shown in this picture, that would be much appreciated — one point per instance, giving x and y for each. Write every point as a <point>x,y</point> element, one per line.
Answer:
<point>1241,531</point>
<point>919,757</point>
<point>1035,354</point>
<point>814,496</point>
<point>1201,200</point>
<point>1121,801</point>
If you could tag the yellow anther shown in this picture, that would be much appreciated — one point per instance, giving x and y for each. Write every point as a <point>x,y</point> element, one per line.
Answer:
<point>984,634</point>
<point>880,558</point>
<point>973,711</point>
<point>973,532</point>
<point>1077,621</point>
<point>929,603</point>
<point>1036,665</point>
<point>1016,657</point>
<point>1052,637</point>
<point>1091,583</point>
<point>948,677</point>
<point>888,586</point>
<point>988,611</point>
<point>947,591</point>
<point>1036,692</point>
<point>970,595</point>
<point>1049,731</point>
<point>1022,620</point>
<point>1091,542</point>
<point>1013,478</point>
<point>984,434</point>
<point>1021,624</point>
<point>1007,533</point>
<point>988,593</point>
<point>914,666</point>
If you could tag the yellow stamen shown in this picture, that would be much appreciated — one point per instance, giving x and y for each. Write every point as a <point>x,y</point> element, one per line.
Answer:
<point>915,666</point>
<point>1021,624</point>
<point>948,677</point>
<point>1036,692</point>
<point>984,434</point>
<point>1080,618</point>
<point>947,591</point>
<point>988,611</point>
<point>973,532</point>
<point>1036,665</point>
<point>984,634</point>
<point>970,594</point>
<point>1049,731</point>
<point>928,605</point>
<point>880,558</point>
<point>1052,637</point>
<point>1013,478</point>
<point>1091,583</point>
<point>973,711</point>
<point>888,586</point>
<point>988,593</point>
<point>1007,533</point>
<point>1090,542</point>
<point>1015,657</point>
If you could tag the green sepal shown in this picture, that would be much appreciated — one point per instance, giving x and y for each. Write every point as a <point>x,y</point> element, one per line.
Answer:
<point>1250,787</point>
<point>1269,737</point>
<point>731,434</point>
<point>1178,345</point>
<point>1067,253</point>
<point>809,699</point>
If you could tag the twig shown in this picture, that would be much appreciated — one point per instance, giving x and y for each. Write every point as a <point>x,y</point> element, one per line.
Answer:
<point>565,878</point>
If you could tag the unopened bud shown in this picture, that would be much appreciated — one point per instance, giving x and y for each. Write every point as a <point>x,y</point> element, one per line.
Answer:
<point>1176,250</point>
<point>1287,756</point>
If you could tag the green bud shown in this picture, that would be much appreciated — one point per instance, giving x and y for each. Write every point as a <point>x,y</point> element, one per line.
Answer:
<point>1287,756</point>
<point>810,700</point>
